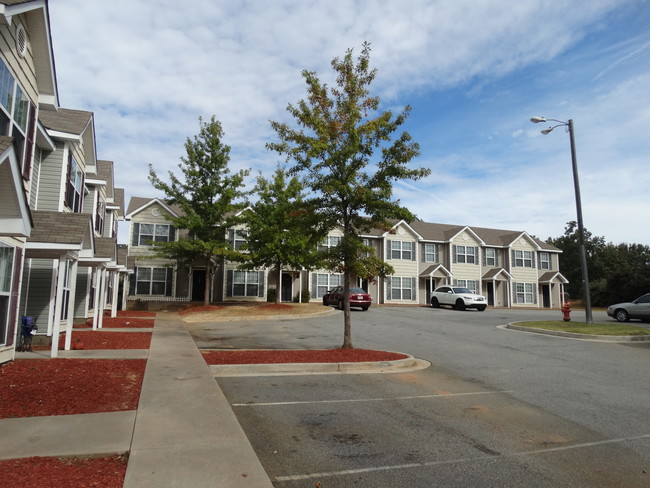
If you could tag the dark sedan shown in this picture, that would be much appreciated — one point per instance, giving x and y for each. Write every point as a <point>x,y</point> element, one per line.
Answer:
<point>358,298</point>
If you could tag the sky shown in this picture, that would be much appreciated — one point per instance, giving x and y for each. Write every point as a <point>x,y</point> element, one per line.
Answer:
<point>473,71</point>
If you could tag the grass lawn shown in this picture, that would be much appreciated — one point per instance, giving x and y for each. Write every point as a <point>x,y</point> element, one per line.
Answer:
<point>612,329</point>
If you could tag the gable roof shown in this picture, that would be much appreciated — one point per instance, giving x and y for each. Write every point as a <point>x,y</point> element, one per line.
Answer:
<point>65,120</point>
<point>48,225</point>
<point>138,204</point>
<point>15,214</point>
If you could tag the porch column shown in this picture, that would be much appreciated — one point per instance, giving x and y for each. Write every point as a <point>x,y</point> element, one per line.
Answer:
<point>97,273</point>
<point>116,283</point>
<point>101,302</point>
<point>56,325</point>
<point>73,291</point>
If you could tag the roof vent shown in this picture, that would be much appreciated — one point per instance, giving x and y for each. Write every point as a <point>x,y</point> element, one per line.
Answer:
<point>21,40</point>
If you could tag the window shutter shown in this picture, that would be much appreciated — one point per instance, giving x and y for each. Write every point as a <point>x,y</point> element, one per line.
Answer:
<point>172,233</point>
<point>389,254</point>
<point>132,282</point>
<point>136,234</point>
<point>453,253</point>
<point>231,237</point>
<point>314,285</point>
<point>514,259</point>
<point>424,253</point>
<point>168,285</point>
<point>389,295</point>
<point>534,293</point>
<point>81,197</point>
<point>29,151</point>
<point>476,256</point>
<point>413,251</point>
<point>67,180</point>
<point>484,258</point>
<point>533,258</point>
<point>496,258</point>
<point>414,287</point>
<point>229,278</point>
<point>261,275</point>
<point>514,292</point>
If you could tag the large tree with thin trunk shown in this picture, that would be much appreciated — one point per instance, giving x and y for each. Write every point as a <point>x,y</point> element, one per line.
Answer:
<point>210,199</point>
<point>349,153</point>
<point>281,229</point>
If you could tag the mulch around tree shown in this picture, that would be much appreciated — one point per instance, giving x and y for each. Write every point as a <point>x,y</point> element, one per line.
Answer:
<point>135,313</point>
<point>98,339</point>
<point>298,356</point>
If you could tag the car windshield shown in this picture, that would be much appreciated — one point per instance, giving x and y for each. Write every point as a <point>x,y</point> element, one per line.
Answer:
<point>462,290</point>
<point>357,290</point>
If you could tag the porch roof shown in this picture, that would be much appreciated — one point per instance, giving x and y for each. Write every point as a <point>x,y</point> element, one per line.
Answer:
<point>435,271</point>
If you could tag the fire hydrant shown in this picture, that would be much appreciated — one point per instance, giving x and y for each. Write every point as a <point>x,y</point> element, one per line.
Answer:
<point>566,311</point>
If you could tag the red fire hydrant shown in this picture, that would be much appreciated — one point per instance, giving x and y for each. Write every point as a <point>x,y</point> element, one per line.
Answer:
<point>566,311</point>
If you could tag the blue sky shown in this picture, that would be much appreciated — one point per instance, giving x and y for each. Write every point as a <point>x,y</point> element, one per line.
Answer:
<point>473,71</point>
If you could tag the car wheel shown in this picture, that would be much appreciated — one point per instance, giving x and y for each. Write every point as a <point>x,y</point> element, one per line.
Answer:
<point>622,315</point>
<point>365,309</point>
<point>435,303</point>
<point>340,305</point>
<point>460,304</point>
<point>324,302</point>
<point>481,308</point>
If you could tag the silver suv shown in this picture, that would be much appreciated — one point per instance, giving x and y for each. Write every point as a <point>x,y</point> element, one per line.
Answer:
<point>638,309</point>
<point>457,297</point>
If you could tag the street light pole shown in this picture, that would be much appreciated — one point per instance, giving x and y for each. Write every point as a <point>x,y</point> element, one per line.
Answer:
<point>581,230</point>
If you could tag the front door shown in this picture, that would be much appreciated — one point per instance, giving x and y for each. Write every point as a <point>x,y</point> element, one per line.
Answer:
<point>546,296</point>
<point>198,285</point>
<point>287,287</point>
<point>490,294</point>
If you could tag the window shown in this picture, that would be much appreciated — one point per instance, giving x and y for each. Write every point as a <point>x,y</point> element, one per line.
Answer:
<point>6,268</point>
<point>465,254</point>
<point>329,242</point>
<point>145,234</point>
<point>74,185</point>
<point>17,118</point>
<point>544,260</point>
<point>469,284</point>
<point>245,283</point>
<point>430,253</point>
<point>401,288</point>
<point>153,281</point>
<point>402,250</point>
<point>99,217</point>
<point>491,257</point>
<point>325,282</point>
<point>236,238</point>
<point>525,293</point>
<point>523,259</point>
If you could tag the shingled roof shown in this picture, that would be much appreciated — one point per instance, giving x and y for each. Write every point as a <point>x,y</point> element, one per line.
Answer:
<point>65,120</point>
<point>61,228</point>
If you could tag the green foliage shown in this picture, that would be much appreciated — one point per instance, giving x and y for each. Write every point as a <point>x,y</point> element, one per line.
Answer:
<point>304,297</point>
<point>271,295</point>
<point>209,199</point>
<point>349,154</point>
<point>616,272</point>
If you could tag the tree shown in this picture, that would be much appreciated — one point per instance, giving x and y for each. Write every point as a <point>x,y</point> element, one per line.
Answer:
<point>347,155</point>
<point>210,199</point>
<point>281,227</point>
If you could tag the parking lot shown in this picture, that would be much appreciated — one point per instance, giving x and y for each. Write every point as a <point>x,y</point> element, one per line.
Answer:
<point>496,408</point>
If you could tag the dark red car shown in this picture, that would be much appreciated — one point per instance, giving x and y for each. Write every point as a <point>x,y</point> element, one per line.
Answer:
<point>358,298</point>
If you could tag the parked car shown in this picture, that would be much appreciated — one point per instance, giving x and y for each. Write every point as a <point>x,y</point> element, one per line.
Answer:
<point>638,309</point>
<point>457,297</point>
<point>358,298</point>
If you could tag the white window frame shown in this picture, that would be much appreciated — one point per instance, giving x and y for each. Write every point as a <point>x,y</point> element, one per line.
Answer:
<point>491,257</point>
<point>523,259</point>
<point>431,253</point>
<point>152,280</point>
<point>402,250</point>
<point>401,287</point>
<point>245,283</point>
<point>156,234</point>
<point>469,284</point>
<point>525,293</point>
<point>544,260</point>
<point>329,242</point>
<point>463,254</point>
<point>325,282</point>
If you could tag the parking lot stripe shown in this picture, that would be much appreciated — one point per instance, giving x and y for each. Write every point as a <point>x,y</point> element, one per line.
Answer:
<point>353,400</point>
<point>459,460</point>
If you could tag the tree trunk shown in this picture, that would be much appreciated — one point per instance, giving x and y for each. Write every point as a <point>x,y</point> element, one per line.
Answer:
<point>347,325</point>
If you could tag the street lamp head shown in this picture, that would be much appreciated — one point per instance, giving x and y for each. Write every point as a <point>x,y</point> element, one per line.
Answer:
<point>537,119</point>
<point>546,131</point>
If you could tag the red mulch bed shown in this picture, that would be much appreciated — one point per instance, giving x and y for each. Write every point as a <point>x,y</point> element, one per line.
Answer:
<point>120,322</point>
<point>41,387</point>
<point>135,313</point>
<point>276,306</point>
<point>98,339</point>
<point>299,356</point>
<point>200,308</point>
<point>46,472</point>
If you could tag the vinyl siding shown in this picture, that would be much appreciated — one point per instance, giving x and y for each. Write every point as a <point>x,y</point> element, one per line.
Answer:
<point>51,188</point>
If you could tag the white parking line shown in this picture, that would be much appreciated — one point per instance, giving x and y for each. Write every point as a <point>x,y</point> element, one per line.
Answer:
<point>458,460</point>
<point>435,395</point>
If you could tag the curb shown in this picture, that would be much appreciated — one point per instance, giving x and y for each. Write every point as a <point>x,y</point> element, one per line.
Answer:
<point>584,337</point>
<point>398,366</point>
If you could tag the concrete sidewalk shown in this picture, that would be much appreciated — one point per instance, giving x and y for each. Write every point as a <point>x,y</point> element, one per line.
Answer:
<point>184,432</point>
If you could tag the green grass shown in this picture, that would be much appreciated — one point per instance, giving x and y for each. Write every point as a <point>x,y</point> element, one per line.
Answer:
<point>612,329</point>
